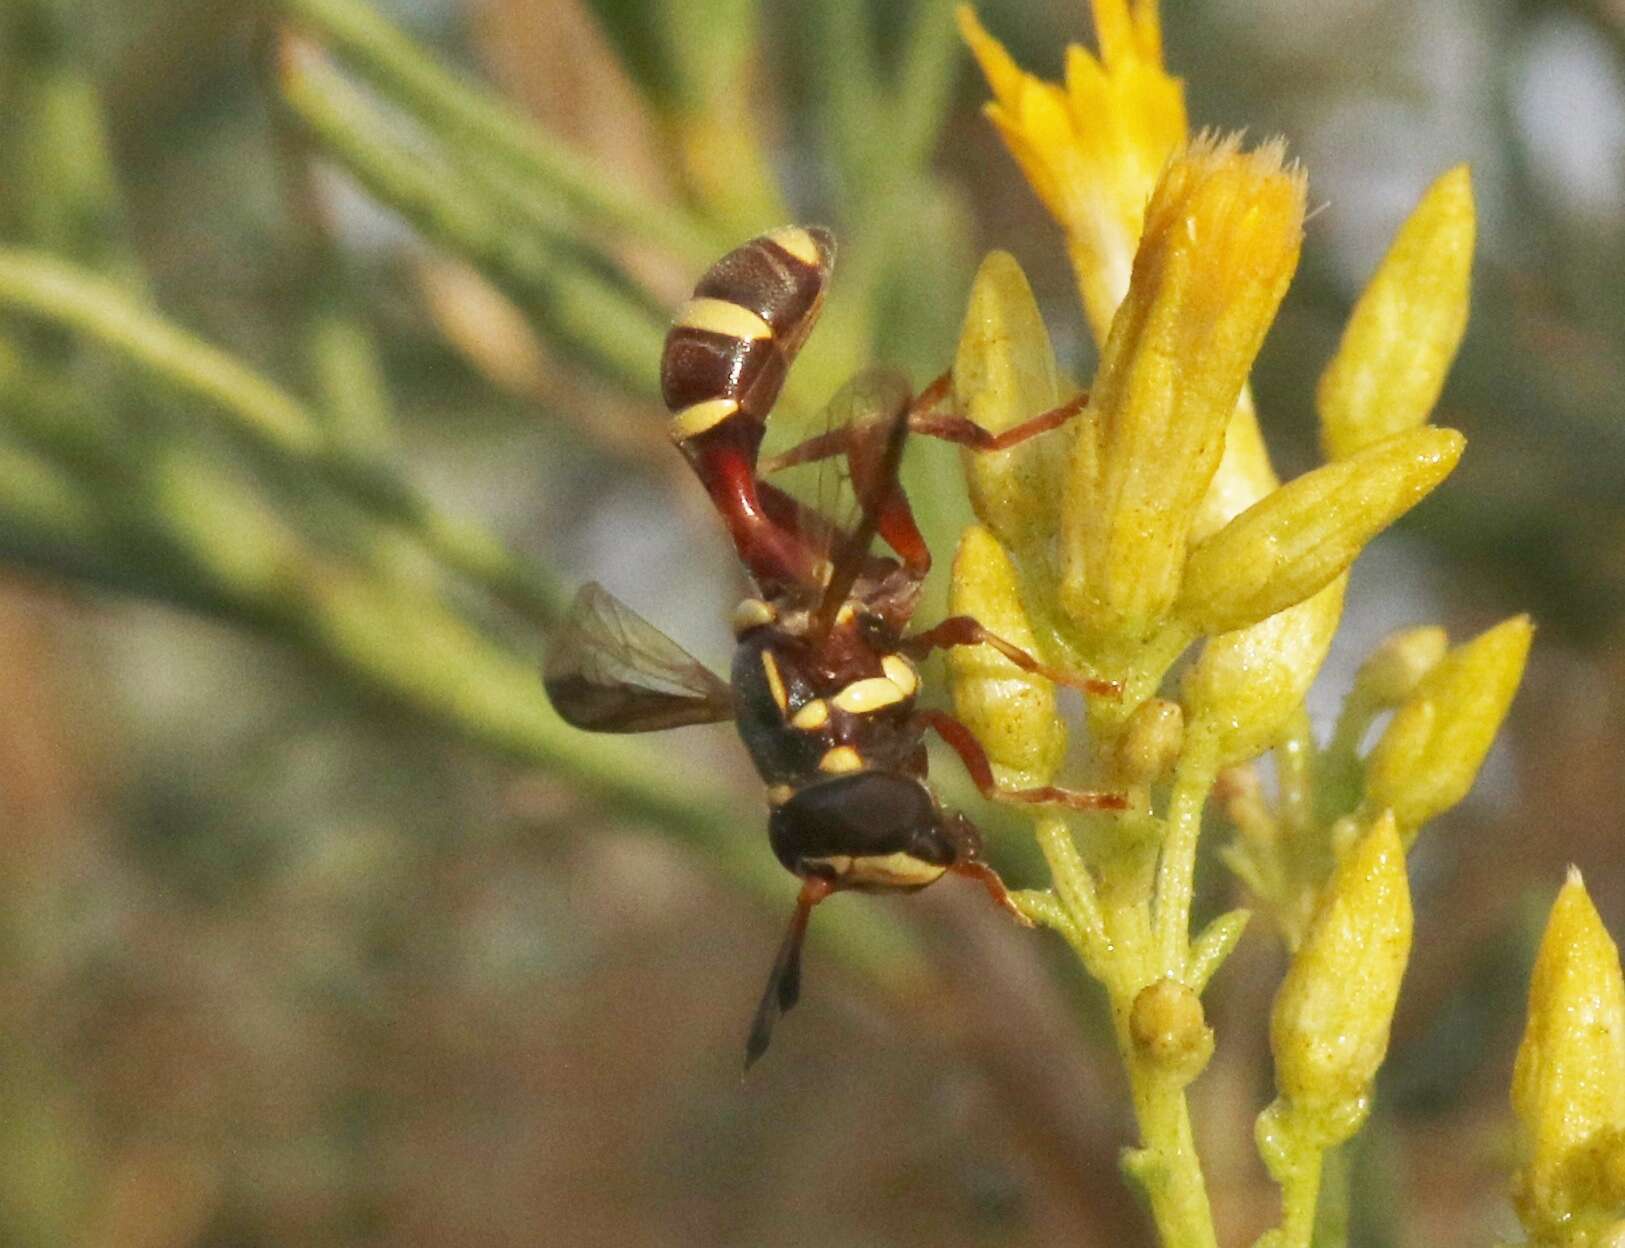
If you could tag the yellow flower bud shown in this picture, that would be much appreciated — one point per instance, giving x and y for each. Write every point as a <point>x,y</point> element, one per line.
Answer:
<point>1403,334</point>
<point>1248,683</point>
<point>1428,757</point>
<point>1151,741</point>
<point>1568,1084</point>
<point>1329,1026</point>
<point>1012,712</point>
<point>1004,373</point>
<point>1397,666</point>
<point>1287,547</point>
<point>1221,240</point>
<point>1168,1028</point>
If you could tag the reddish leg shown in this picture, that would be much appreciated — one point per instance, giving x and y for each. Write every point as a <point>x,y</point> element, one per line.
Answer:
<point>969,862</point>
<point>784,981</point>
<point>967,433</point>
<point>962,630</point>
<point>964,743</point>
<point>923,419</point>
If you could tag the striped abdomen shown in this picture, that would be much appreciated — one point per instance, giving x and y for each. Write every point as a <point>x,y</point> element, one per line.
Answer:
<point>731,344</point>
<point>724,364</point>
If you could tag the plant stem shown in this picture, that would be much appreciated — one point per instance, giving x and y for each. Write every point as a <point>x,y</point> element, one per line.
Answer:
<point>1166,1166</point>
<point>267,416</point>
<point>1074,886</point>
<point>601,317</point>
<point>1176,868</point>
<point>464,115</point>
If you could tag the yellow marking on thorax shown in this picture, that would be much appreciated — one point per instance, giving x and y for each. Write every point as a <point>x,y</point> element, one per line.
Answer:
<point>901,673</point>
<point>779,794</point>
<point>841,758</point>
<point>871,694</point>
<point>722,316</point>
<point>798,243</point>
<point>843,617</point>
<point>752,613</point>
<point>696,418</point>
<point>775,682</point>
<point>812,716</point>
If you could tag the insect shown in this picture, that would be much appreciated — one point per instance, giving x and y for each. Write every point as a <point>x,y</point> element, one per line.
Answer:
<point>823,686</point>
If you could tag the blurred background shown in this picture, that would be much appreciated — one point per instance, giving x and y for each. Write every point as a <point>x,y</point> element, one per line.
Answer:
<point>315,930</point>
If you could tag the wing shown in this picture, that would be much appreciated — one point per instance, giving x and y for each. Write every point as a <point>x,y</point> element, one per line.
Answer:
<point>610,670</point>
<point>848,492</point>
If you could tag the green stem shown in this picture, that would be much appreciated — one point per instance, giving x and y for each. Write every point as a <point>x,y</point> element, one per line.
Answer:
<point>1166,1166</point>
<point>464,115</point>
<point>1074,886</point>
<point>267,416</point>
<point>595,313</point>
<point>1176,866</point>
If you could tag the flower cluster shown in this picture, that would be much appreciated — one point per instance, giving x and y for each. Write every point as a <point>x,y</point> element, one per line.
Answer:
<point>1154,528</point>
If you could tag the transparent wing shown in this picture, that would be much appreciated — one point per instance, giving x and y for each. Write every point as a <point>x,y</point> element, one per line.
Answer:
<point>836,486</point>
<point>610,670</point>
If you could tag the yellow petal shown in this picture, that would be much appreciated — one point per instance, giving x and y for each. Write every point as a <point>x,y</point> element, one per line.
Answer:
<point>1293,542</point>
<point>1329,1025</point>
<point>1092,150</point>
<point>1221,241</point>
<point>1011,712</point>
<point>1247,684</point>
<point>1404,331</point>
<point>1568,1085</point>
<point>1429,755</point>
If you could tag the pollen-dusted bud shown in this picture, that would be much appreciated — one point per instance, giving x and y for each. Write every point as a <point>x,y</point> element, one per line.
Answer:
<point>1151,741</point>
<point>1428,757</point>
<point>1004,373</point>
<point>1221,240</point>
<point>1329,1026</point>
<point>1169,1029</point>
<point>1292,543</point>
<point>1393,670</point>
<point>1012,712</point>
<point>1404,331</point>
<point>1568,1084</point>
<point>1246,684</point>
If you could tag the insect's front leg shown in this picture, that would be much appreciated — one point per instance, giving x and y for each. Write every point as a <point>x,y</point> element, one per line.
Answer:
<point>966,839</point>
<point>923,417</point>
<point>963,742</point>
<point>963,630</point>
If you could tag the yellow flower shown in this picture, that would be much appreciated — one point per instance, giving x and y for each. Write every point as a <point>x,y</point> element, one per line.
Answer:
<point>1093,148</point>
<point>1429,755</point>
<point>1329,1025</point>
<point>1568,1085</point>
<point>1404,331</point>
<point>1222,233</point>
